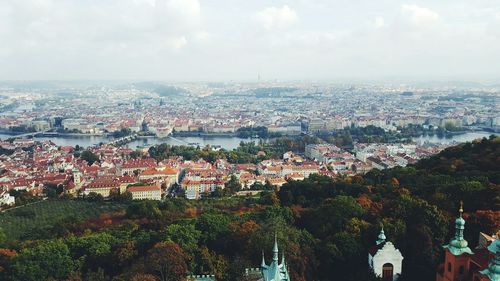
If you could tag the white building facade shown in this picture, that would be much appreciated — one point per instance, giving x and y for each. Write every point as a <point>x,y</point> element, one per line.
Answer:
<point>385,260</point>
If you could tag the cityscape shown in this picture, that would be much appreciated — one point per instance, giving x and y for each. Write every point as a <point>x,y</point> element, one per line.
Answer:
<point>188,140</point>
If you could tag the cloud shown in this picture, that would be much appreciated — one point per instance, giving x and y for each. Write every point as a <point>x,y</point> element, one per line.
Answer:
<point>186,10</point>
<point>178,43</point>
<point>419,16</point>
<point>273,17</point>
<point>379,22</point>
<point>149,2</point>
<point>184,39</point>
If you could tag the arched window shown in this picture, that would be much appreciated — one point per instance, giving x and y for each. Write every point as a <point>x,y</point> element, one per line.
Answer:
<point>461,269</point>
<point>449,267</point>
<point>387,272</point>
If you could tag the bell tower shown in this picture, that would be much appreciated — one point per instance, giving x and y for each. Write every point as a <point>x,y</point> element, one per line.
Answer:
<point>457,253</point>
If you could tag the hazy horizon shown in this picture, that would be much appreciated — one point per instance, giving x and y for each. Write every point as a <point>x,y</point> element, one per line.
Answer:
<point>240,41</point>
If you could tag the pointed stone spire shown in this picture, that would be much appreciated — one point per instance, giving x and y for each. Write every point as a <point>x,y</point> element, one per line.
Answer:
<point>283,258</point>
<point>275,249</point>
<point>263,264</point>
<point>381,236</point>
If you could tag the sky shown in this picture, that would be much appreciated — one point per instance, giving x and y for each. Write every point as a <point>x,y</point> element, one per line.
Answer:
<point>241,40</point>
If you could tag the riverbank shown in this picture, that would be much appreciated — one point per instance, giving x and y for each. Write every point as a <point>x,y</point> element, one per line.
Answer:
<point>202,134</point>
<point>227,142</point>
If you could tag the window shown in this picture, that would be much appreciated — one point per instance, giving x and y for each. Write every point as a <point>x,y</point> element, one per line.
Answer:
<point>387,272</point>
<point>461,269</point>
<point>449,267</point>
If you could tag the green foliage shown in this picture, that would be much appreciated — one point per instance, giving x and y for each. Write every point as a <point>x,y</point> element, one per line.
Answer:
<point>261,132</point>
<point>4,151</point>
<point>213,227</point>
<point>123,132</point>
<point>53,190</point>
<point>23,197</point>
<point>49,259</point>
<point>89,156</point>
<point>143,209</point>
<point>245,153</point>
<point>186,235</point>
<point>94,197</point>
<point>3,236</point>
<point>233,185</point>
<point>38,219</point>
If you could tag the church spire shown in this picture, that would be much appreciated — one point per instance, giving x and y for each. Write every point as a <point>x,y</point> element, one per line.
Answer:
<point>263,264</point>
<point>275,249</point>
<point>458,245</point>
<point>381,236</point>
<point>460,223</point>
<point>275,271</point>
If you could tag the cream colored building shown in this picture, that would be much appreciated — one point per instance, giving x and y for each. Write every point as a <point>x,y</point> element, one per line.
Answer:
<point>151,192</point>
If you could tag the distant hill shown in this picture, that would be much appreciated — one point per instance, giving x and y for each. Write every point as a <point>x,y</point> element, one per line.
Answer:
<point>161,89</point>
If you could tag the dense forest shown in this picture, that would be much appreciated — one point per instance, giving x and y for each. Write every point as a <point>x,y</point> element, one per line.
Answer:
<point>324,226</point>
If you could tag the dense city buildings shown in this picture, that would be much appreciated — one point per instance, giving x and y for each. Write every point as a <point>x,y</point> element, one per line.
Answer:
<point>33,166</point>
<point>264,111</point>
<point>223,109</point>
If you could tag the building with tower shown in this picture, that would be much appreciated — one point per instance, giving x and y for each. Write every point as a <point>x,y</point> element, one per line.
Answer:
<point>385,260</point>
<point>457,254</point>
<point>276,271</point>
<point>463,264</point>
<point>492,272</point>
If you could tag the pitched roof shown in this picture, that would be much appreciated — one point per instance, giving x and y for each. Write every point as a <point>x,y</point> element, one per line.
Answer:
<point>144,188</point>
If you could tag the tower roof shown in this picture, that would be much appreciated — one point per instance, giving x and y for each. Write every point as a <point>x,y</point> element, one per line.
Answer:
<point>275,249</point>
<point>381,237</point>
<point>458,245</point>
<point>493,269</point>
<point>275,271</point>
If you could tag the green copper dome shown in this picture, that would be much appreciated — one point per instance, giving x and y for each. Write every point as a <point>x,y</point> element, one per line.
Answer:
<point>460,223</point>
<point>493,270</point>
<point>458,245</point>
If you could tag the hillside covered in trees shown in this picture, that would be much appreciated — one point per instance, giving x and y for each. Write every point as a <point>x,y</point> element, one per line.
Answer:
<point>324,226</point>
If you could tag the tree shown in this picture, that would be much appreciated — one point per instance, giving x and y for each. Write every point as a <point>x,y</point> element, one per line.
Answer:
<point>89,157</point>
<point>233,185</point>
<point>125,252</point>
<point>6,257</point>
<point>143,277</point>
<point>213,226</point>
<point>49,259</point>
<point>98,275</point>
<point>168,261</point>
<point>94,197</point>
<point>143,209</point>
<point>3,236</point>
<point>187,236</point>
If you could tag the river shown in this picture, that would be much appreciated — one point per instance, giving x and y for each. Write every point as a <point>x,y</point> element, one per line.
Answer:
<point>453,139</point>
<point>86,141</point>
<point>225,142</point>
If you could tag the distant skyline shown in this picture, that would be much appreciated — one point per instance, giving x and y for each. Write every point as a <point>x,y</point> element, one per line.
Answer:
<point>215,40</point>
